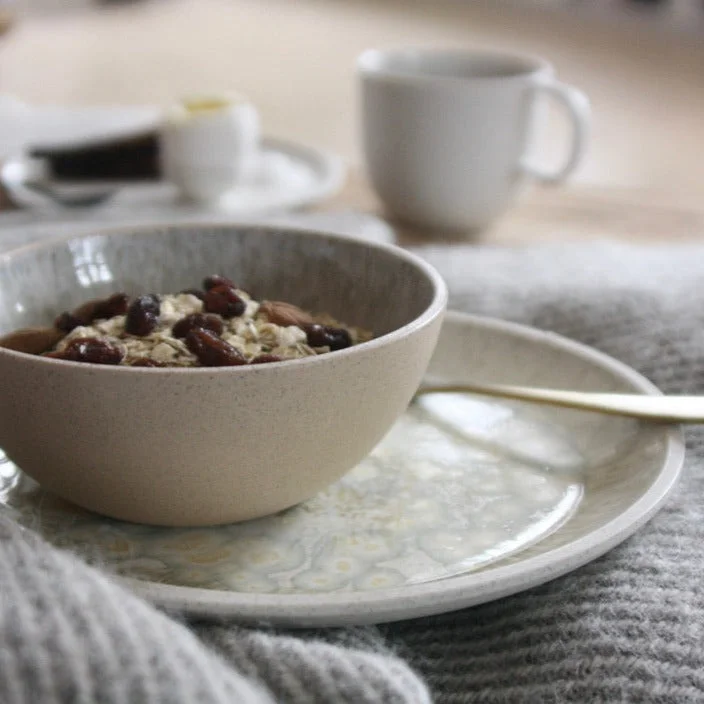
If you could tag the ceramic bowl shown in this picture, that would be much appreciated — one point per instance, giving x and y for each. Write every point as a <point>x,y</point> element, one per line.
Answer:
<point>204,446</point>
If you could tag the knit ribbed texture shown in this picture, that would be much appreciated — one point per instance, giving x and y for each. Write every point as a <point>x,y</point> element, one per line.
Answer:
<point>319,672</point>
<point>628,627</point>
<point>69,635</point>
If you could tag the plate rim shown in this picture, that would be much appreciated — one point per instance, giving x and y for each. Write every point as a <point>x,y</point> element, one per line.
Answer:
<point>452,593</point>
<point>329,168</point>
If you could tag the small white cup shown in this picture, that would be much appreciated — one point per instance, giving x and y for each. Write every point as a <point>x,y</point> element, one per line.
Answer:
<point>208,145</point>
<point>446,133</point>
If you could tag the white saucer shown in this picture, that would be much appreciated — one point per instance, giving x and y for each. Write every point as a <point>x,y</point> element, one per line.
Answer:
<point>287,176</point>
<point>466,500</point>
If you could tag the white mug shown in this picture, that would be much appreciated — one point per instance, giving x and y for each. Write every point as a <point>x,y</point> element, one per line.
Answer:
<point>446,133</point>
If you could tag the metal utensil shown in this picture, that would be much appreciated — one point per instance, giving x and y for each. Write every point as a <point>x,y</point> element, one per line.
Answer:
<point>664,409</point>
<point>82,199</point>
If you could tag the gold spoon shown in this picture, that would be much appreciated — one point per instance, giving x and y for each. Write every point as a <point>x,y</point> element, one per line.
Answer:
<point>663,409</point>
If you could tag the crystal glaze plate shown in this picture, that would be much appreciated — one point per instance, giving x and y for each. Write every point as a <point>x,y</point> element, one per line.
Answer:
<point>466,500</point>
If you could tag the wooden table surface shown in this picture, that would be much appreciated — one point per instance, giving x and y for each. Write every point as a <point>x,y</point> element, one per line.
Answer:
<point>644,175</point>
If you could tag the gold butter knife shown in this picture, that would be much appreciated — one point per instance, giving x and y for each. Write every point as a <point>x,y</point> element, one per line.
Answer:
<point>663,409</point>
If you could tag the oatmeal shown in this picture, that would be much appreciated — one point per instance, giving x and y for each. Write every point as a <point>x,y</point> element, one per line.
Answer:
<point>218,325</point>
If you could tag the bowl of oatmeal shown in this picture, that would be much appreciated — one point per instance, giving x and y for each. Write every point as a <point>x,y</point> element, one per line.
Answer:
<point>198,375</point>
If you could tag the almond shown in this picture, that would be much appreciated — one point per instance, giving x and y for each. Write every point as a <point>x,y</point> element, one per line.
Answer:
<point>32,340</point>
<point>285,314</point>
<point>86,311</point>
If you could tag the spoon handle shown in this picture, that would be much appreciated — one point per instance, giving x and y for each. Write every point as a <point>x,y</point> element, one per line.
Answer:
<point>665,409</point>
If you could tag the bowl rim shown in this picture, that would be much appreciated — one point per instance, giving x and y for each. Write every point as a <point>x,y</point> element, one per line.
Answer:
<point>434,309</point>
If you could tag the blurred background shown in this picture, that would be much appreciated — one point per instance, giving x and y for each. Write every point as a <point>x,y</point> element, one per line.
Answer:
<point>640,61</point>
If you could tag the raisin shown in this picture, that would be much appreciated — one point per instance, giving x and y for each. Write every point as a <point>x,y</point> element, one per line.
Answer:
<point>117,304</point>
<point>195,292</point>
<point>89,349</point>
<point>143,315</point>
<point>217,280</point>
<point>327,336</point>
<point>197,320</point>
<point>213,351</point>
<point>145,362</point>
<point>67,322</point>
<point>224,301</point>
<point>266,359</point>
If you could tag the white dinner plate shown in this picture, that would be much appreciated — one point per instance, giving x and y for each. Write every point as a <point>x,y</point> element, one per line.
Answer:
<point>468,499</point>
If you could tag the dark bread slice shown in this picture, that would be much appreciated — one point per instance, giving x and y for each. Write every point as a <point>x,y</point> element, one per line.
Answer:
<point>129,157</point>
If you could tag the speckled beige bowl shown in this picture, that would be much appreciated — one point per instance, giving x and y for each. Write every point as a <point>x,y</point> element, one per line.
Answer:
<point>206,446</point>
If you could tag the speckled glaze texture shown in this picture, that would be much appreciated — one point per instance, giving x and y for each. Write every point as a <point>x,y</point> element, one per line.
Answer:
<point>208,446</point>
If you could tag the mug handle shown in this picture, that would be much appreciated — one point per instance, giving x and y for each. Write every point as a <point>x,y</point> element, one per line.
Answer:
<point>578,108</point>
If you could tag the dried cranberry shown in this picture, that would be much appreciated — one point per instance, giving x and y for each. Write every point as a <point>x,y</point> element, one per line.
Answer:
<point>89,349</point>
<point>195,292</point>
<point>266,359</point>
<point>213,351</point>
<point>117,304</point>
<point>145,362</point>
<point>327,336</point>
<point>217,280</point>
<point>67,322</point>
<point>224,301</point>
<point>143,315</point>
<point>197,320</point>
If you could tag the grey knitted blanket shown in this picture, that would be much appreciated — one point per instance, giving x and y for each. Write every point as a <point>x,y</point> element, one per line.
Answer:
<point>627,627</point>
